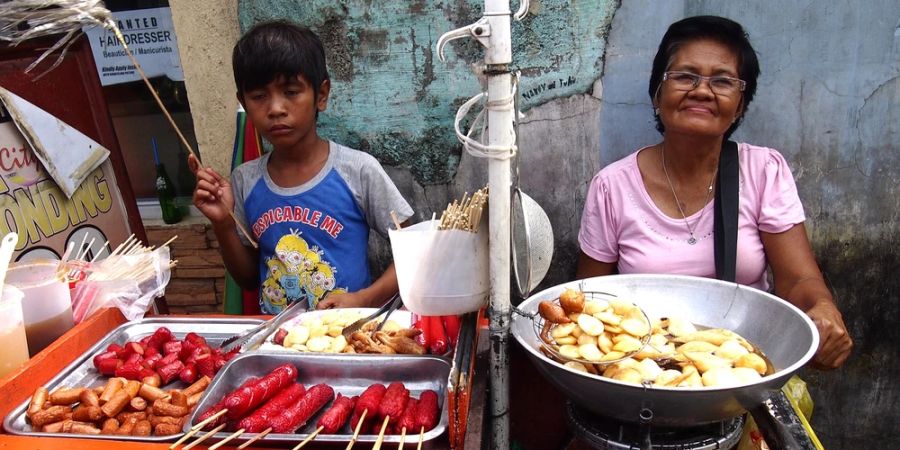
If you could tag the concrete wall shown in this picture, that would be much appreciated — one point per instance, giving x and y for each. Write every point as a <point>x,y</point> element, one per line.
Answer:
<point>827,99</point>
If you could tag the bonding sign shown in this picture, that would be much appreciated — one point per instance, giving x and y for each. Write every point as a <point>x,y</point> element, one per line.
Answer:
<point>150,36</point>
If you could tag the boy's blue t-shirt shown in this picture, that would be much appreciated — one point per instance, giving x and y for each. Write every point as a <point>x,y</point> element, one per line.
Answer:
<point>313,238</point>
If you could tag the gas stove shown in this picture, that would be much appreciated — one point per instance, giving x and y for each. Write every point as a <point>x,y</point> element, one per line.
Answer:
<point>591,431</point>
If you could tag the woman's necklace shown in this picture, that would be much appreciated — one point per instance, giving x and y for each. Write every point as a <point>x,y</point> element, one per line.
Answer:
<point>693,239</point>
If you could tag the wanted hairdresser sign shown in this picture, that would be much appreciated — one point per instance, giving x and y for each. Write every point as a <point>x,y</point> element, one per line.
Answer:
<point>149,34</point>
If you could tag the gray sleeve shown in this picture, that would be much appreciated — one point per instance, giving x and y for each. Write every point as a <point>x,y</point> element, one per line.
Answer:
<point>242,180</point>
<point>374,191</point>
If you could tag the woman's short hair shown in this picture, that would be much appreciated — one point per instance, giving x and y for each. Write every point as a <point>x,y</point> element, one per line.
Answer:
<point>719,29</point>
<point>274,49</point>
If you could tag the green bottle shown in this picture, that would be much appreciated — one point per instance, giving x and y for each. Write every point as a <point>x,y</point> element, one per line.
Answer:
<point>165,191</point>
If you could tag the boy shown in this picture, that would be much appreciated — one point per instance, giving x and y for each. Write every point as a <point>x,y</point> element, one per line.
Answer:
<point>310,202</point>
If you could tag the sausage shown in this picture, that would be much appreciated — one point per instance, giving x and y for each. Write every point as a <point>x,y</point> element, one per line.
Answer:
<point>116,404</point>
<point>164,408</point>
<point>427,412</point>
<point>243,400</point>
<point>213,410</point>
<point>156,420</point>
<point>153,380</point>
<point>109,426</point>
<point>198,386</point>
<point>37,401</point>
<point>123,417</point>
<point>76,427</point>
<point>151,393</point>
<point>370,399</point>
<point>336,416</point>
<point>177,398</point>
<point>165,429</point>
<point>142,428</point>
<point>194,399</point>
<point>394,401</point>
<point>408,418</point>
<point>55,427</point>
<point>112,387</point>
<point>300,412</point>
<point>49,415</point>
<point>138,404</point>
<point>84,413</point>
<point>132,387</point>
<point>127,427</point>
<point>89,398</point>
<point>259,420</point>
<point>65,396</point>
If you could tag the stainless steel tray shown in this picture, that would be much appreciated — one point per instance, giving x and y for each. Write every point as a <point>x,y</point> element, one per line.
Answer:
<point>81,371</point>
<point>348,375</point>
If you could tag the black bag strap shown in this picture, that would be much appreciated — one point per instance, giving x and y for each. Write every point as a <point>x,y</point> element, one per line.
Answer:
<point>726,213</point>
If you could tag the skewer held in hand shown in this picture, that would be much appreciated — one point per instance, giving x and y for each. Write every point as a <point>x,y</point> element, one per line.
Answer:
<point>255,438</point>
<point>308,438</point>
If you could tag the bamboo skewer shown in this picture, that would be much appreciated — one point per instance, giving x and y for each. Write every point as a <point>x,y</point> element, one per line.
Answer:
<point>227,439</point>
<point>204,437</point>
<point>208,420</point>
<point>186,436</point>
<point>402,438</point>
<point>362,418</point>
<point>165,111</point>
<point>464,214</point>
<point>308,438</point>
<point>255,438</point>
<point>421,438</point>
<point>380,437</point>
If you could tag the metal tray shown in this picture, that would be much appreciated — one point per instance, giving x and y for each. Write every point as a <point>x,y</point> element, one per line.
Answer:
<point>81,371</point>
<point>347,375</point>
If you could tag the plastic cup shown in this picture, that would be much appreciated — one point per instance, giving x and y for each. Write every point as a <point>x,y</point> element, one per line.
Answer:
<point>12,331</point>
<point>47,306</point>
<point>441,272</point>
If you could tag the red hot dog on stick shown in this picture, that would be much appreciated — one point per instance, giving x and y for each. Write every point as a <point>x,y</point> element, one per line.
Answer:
<point>394,402</point>
<point>243,400</point>
<point>259,420</point>
<point>427,412</point>
<point>300,412</point>
<point>368,402</point>
<point>337,415</point>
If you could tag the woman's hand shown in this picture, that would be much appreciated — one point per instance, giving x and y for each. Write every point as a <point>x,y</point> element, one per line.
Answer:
<point>212,196</point>
<point>834,340</point>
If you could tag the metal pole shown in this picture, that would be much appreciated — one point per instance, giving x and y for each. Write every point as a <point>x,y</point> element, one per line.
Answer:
<point>500,115</point>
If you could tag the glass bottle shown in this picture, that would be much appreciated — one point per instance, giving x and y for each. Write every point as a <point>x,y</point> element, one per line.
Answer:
<point>165,190</point>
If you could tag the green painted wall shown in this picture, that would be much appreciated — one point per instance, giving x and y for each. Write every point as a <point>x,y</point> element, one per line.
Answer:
<point>392,96</point>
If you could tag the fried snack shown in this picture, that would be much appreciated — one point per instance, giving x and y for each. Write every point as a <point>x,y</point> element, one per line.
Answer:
<point>37,401</point>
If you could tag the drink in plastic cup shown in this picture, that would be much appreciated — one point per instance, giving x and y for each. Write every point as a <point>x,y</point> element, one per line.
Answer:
<point>12,331</point>
<point>47,307</point>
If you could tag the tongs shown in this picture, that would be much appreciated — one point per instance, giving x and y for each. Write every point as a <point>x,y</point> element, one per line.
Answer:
<point>392,305</point>
<point>256,335</point>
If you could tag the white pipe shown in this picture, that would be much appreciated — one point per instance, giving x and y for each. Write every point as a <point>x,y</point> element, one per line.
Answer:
<point>498,56</point>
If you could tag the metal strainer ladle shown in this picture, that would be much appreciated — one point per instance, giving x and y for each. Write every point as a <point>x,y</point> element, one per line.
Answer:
<point>531,232</point>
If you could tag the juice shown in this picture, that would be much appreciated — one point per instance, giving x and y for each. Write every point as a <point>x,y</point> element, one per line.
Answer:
<point>43,333</point>
<point>15,352</point>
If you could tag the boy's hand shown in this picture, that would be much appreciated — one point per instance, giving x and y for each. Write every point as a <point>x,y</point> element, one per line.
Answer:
<point>345,300</point>
<point>212,196</point>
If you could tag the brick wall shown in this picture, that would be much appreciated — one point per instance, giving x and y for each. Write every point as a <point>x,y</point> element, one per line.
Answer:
<point>198,281</point>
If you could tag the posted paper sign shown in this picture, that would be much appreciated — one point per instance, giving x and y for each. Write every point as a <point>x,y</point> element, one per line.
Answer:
<point>150,36</point>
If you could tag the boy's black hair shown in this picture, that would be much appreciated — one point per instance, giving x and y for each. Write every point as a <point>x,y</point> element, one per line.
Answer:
<point>719,29</point>
<point>274,49</point>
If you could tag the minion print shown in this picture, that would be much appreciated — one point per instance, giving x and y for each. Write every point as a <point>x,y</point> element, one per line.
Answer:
<point>296,272</point>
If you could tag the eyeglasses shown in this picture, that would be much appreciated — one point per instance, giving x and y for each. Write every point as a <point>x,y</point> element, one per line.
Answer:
<point>687,81</point>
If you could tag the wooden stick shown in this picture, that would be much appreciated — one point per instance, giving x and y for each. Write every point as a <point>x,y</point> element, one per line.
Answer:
<point>395,219</point>
<point>184,438</point>
<point>362,418</point>
<point>402,438</point>
<point>255,438</point>
<point>102,247</point>
<point>421,438</point>
<point>225,441</point>
<point>204,437</point>
<point>380,438</point>
<point>308,438</point>
<point>169,241</point>
<point>165,111</point>
<point>209,419</point>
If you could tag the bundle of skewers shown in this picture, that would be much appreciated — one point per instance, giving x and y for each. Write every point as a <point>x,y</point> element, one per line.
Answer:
<point>276,403</point>
<point>465,214</point>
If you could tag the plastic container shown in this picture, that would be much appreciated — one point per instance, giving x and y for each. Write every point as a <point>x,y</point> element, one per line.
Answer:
<point>47,306</point>
<point>12,331</point>
<point>441,272</point>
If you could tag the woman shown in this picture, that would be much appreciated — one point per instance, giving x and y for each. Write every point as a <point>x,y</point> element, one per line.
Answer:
<point>652,211</point>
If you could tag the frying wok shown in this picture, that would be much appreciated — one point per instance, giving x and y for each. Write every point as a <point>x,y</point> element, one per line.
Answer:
<point>781,331</point>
